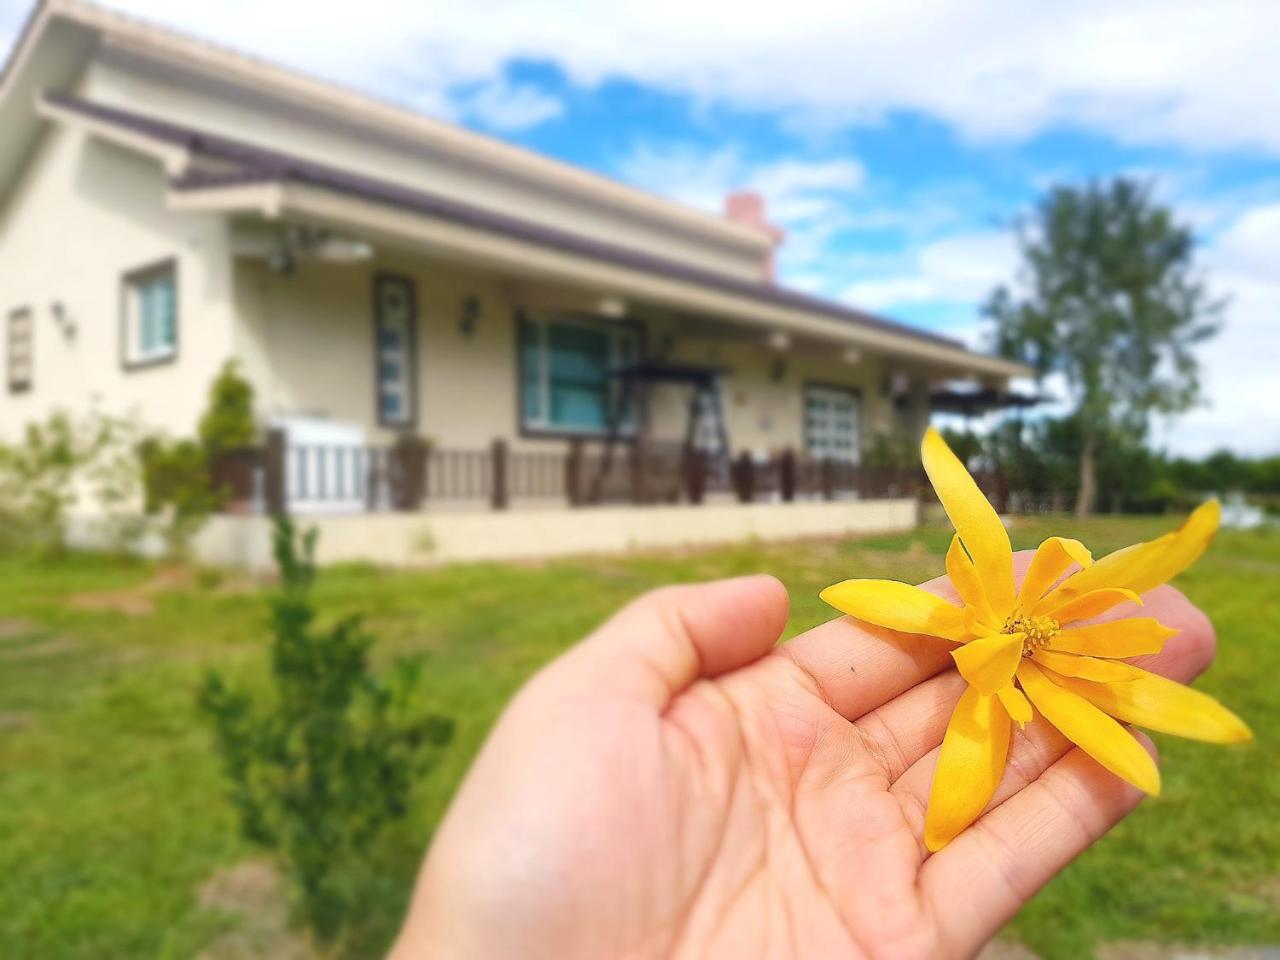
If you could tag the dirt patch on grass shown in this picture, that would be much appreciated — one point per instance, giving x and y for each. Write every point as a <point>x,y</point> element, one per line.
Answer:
<point>14,720</point>
<point>136,601</point>
<point>1005,950</point>
<point>52,647</point>
<point>253,892</point>
<point>1145,950</point>
<point>12,628</point>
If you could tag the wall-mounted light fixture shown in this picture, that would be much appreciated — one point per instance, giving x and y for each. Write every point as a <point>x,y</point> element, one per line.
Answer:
<point>470,316</point>
<point>613,307</point>
<point>852,355</point>
<point>778,371</point>
<point>62,320</point>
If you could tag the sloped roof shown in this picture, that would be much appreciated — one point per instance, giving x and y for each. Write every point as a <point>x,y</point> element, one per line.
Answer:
<point>219,161</point>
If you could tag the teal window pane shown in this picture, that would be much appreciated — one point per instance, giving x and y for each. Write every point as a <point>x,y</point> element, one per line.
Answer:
<point>531,373</point>
<point>578,376</point>
<point>157,315</point>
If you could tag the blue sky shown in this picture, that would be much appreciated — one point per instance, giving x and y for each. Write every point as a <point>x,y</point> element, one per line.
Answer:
<point>894,141</point>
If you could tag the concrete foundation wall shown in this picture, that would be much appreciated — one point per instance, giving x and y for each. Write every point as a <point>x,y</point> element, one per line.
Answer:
<point>425,539</point>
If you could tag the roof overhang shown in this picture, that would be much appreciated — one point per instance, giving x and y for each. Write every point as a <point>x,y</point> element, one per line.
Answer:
<point>513,255</point>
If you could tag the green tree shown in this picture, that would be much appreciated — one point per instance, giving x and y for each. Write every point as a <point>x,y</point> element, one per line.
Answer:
<point>323,764</point>
<point>1111,298</point>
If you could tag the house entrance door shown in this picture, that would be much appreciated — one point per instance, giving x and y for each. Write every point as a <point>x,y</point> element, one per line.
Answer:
<point>831,416</point>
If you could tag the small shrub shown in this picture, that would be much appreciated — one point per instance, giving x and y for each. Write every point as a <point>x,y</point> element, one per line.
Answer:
<point>58,462</point>
<point>318,769</point>
<point>228,422</point>
<point>176,473</point>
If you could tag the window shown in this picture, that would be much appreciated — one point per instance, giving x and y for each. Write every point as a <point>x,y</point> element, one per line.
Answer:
<point>151,315</point>
<point>831,428</point>
<point>565,365</point>
<point>395,322</point>
<point>20,336</point>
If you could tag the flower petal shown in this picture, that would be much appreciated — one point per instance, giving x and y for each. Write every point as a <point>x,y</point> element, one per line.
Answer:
<point>1089,604</point>
<point>974,518</point>
<point>897,606</point>
<point>969,767</point>
<point>1017,704</point>
<point>1051,561</point>
<point>1088,668</point>
<point>1090,729</point>
<point>964,577</point>
<point>1158,703</point>
<point>1131,637</point>
<point>1146,565</point>
<point>990,662</point>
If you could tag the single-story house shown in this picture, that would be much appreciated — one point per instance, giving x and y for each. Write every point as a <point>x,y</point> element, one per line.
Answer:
<point>436,323</point>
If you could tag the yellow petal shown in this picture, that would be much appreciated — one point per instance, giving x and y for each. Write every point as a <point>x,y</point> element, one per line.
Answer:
<point>989,663</point>
<point>1158,703</point>
<point>1146,565</point>
<point>1089,604</point>
<point>964,577</point>
<point>897,606</point>
<point>1019,706</point>
<point>974,518</point>
<point>969,767</point>
<point>1089,668</point>
<point>1090,729</point>
<point>1051,561</point>
<point>1131,637</point>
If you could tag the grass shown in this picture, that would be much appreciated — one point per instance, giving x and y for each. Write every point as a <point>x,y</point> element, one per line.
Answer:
<point>112,809</point>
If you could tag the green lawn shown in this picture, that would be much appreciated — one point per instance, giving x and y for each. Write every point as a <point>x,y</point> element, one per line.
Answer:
<point>111,808</point>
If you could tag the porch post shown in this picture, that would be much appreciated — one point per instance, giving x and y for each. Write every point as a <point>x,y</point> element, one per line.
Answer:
<point>573,472</point>
<point>744,477</point>
<point>787,474</point>
<point>695,474</point>
<point>273,463</point>
<point>499,460</point>
<point>411,472</point>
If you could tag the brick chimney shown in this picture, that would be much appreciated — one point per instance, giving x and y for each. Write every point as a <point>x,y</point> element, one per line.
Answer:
<point>747,207</point>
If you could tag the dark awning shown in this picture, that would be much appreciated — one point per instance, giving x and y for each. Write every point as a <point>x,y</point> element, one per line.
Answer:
<point>970,403</point>
<point>654,371</point>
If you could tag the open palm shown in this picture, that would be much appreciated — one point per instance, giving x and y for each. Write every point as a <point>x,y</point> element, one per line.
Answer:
<point>677,786</point>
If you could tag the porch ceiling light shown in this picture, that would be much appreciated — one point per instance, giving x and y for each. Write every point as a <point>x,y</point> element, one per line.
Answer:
<point>852,355</point>
<point>779,340</point>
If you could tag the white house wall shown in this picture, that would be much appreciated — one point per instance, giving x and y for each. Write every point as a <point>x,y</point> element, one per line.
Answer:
<point>306,339</point>
<point>85,214</point>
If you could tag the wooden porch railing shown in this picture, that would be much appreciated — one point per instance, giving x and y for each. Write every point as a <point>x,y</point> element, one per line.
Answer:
<point>411,474</point>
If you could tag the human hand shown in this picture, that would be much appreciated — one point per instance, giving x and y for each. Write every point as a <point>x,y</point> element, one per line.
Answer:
<point>678,786</point>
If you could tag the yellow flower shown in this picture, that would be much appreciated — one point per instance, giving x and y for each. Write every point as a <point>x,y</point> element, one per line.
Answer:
<point>1020,648</point>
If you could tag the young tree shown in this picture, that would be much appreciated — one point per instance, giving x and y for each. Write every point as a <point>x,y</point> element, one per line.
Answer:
<point>325,761</point>
<point>1110,297</point>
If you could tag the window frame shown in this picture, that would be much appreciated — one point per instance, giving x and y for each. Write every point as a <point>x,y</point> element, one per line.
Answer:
<point>130,326</point>
<point>860,414</point>
<point>20,313</point>
<point>410,420</point>
<point>542,318</point>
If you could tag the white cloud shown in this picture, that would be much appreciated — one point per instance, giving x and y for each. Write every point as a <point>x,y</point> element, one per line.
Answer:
<point>1241,378</point>
<point>1202,75</point>
<point>959,268</point>
<point>510,107</point>
<point>793,189</point>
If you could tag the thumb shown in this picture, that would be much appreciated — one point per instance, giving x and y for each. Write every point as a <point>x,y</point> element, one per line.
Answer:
<point>659,644</point>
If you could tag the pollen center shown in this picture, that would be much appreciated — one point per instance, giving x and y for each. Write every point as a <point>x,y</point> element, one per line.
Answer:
<point>1038,631</point>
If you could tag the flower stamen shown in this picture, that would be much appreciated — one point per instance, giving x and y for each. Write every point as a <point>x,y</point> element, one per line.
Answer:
<point>1037,631</point>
